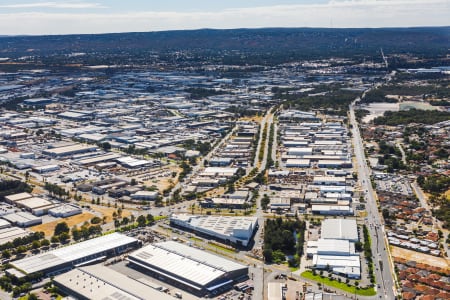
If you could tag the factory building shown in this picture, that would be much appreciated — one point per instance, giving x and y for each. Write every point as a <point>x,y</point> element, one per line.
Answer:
<point>69,257</point>
<point>64,211</point>
<point>235,230</point>
<point>191,269</point>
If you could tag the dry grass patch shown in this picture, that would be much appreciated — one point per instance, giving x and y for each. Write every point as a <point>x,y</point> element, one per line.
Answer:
<point>49,228</point>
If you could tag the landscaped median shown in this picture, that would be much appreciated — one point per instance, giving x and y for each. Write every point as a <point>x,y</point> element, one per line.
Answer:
<point>339,285</point>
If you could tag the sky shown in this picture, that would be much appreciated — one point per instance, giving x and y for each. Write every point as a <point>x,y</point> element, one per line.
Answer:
<point>42,17</point>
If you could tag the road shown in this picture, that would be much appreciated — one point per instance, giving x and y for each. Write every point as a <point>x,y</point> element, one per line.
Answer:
<point>384,270</point>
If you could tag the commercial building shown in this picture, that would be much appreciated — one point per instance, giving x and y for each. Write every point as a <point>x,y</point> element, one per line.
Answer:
<point>235,230</point>
<point>86,252</point>
<point>100,282</point>
<point>349,266</point>
<point>194,270</point>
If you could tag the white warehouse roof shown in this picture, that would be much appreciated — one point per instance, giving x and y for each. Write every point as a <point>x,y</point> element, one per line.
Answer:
<point>47,260</point>
<point>186,264</point>
<point>341,229</point>
<point>99,282</point>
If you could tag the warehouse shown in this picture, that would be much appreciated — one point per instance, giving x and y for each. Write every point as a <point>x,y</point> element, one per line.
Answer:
<point>37,206</point>
<point>145,195</point>
<point>69,150</point>
<point>235,230</point>
<point>299,151</point>
<point>11,199</point>
<point>64,211</point>
<point>349,266</point>
<point>332,210</point>
<point>297,163</point>
<point>340,229</point>
<point>329,180</point>
<point>10,233</point>
<point>45,169</point>
<point>66,258</point>
<point>99,282</point>
<point>194,270</point>
<point>219,171</point>
<point>22,219</point>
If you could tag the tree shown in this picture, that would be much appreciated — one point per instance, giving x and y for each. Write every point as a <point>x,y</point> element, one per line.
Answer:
<point>96,220</point>
<point>106,146</point>
<point>36,245</point>
<point>141,221</point>
<point>21,249</point>
<point>76,233</point>
<point>32,297</point>
<point>267,253</point>
<point>64,237</point>
<point>54,239</point>
<point>150,218</point>
<point>45,243</point>
<point>6,254</point>
<point>61,227</point>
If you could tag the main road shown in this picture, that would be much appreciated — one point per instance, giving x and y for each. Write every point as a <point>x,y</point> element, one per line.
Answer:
<point>384,269</point>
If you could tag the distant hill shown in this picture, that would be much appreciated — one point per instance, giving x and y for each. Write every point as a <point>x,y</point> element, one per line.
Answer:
<point>310,41</point>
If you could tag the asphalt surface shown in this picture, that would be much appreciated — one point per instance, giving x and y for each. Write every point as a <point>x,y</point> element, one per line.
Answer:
<point>384,270</point>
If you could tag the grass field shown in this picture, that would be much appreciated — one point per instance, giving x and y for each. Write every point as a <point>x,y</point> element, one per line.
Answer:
<point>339,285</point>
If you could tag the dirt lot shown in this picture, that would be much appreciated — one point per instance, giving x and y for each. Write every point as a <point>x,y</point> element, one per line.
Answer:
<point>49,228</point>
<point>420,257</point>
<point>163,183</point>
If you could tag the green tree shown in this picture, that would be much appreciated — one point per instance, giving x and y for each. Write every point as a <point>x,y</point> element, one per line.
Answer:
<point>141,221</point>
<point>61,227</point>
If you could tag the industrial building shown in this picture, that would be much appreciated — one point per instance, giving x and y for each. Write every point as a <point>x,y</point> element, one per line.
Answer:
<point>69,150</point>
<point>145,195</point>
<point>334,210</point>
<point>340,229</point>
<point>75,255</point>
<point>336,249</point>
<point>22,219</point>
<point>100,282</point>
<point>8,234</point>
<point>64,211</point>
<point>194,270</point>
<point>235,230</point>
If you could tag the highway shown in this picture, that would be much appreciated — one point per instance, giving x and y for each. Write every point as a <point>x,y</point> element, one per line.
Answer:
<point>384,269</point>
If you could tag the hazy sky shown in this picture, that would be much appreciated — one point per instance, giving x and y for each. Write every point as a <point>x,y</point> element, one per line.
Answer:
<point>99,16</point>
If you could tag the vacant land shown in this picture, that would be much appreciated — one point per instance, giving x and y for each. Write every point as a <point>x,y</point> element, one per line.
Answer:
<point>49,228</point>
<point>420,257</point>
<point>108,212</point>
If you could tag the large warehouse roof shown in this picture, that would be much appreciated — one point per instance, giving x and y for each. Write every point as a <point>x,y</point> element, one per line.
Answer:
<point>341,229</point>
<point>187,264</point>
<point>99,282</point>
<point>48,260</point>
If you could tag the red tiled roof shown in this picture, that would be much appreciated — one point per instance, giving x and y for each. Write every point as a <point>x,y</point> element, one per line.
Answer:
<point>408,296</point>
